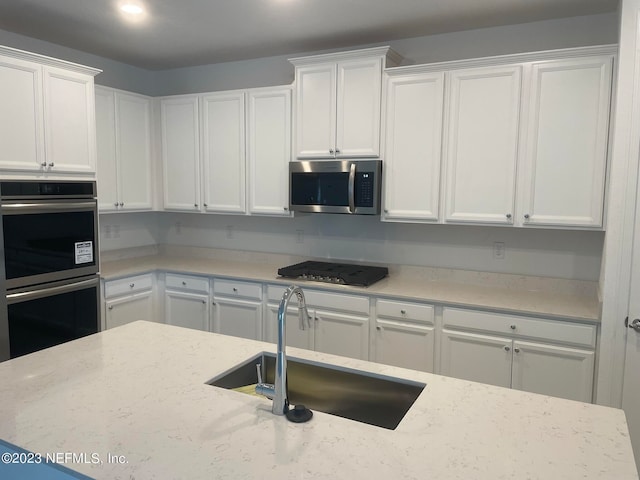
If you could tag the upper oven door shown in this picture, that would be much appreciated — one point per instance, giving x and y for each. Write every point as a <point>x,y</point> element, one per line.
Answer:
<point>351,187</point>
<point>46,241</point>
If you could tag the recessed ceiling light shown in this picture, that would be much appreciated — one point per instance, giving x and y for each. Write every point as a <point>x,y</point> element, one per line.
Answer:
<point>132,9</point>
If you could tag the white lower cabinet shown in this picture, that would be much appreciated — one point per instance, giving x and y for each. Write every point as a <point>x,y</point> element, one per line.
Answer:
<point>129,299</point>
<point>558,361</point>
<point>340,323</point>
<point>405,335</point>
<point>186,301</point>
<point>237,308</point>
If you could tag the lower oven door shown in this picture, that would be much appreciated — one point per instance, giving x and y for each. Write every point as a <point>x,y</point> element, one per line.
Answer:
<point>50,314</point>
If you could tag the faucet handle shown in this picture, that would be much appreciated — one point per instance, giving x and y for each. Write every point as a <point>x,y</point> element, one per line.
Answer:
<point>259,371</point>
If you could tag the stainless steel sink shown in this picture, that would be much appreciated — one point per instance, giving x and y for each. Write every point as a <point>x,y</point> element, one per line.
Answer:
<point>353,394</point>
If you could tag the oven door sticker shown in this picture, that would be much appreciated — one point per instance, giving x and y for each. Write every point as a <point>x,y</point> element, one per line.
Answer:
<point>84,252</point>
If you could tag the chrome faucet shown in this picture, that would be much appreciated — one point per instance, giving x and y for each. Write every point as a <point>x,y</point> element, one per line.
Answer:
<point>278,391</point>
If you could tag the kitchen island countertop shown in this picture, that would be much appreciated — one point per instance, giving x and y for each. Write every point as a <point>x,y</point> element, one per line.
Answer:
<point>139,393</point>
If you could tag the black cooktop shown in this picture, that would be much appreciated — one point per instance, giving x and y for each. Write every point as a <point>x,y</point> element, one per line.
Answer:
<point>340,273</point>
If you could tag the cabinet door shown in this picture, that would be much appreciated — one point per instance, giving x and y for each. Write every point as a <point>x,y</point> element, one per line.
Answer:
<point>413,147</point>
<point>107,174</point>
<point>240,318</point>
<point>358,108</point>
<point>316,111</point>
<point>552,370</point>
<point>189,310</point>
<point>269,151</point>
<point>21,131</point>
<point>69,121</point>
<point>342,334</point>
<point>181,152</point>
<point>404,344</point>
<point>482,144</point>
<point>566,149</point>
<point>133,114</point>
<point>130,308</point>
<point>223,155</point>
<point>479,358</point>
<point>295,336</point>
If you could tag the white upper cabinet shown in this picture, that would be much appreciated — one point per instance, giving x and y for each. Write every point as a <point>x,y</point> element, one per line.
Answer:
<point>21,122</point>
<point>566,142</point>
<point>223,152</point>
<point>482,144</point>
<point>123,125</point>
<point>47,119</point>
<point>269,150</point>
<point>181,152</point>
<point>338,98</point>
<point>69,125</point>
<point>413,146</point>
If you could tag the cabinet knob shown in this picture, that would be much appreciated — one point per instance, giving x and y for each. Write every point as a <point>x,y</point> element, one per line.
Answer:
<point>517,350</point>
<point>195,205</point>
<point>205,205</point>
<point>115,204</point>
<point>51,164</point>
<point>131,285</point>
<point>403,312</point>
<point>507,349</point>
<point>331,151</point>
<point>235,289</point>
<point>378,327</point>
<point>337,150</point>
<point>386,211</point>
<point>122,204</point>
<point>204,302</point>
<point>110,307</point>
<point>43,164</point>
<point>184,283</point>
<point>526,216</point>
<point>509,216</point>
<point>513,327</point>
<point>286,208</point>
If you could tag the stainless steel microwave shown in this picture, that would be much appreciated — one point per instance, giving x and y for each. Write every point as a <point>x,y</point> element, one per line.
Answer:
<point>335,186</point>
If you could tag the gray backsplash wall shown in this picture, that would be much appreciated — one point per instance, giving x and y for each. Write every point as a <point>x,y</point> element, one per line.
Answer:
<point>552,253</point>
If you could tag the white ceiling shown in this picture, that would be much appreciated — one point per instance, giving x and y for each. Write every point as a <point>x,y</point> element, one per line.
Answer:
<point>179,33</point>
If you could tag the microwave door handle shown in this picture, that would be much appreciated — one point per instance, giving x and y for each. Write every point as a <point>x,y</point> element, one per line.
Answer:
<point>352,184</point>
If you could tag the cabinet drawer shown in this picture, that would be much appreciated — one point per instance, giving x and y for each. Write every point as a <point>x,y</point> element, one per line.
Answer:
<point>231,288</point>
<point>314,298</point>
<point>122,286</point>
<point>404,310</point>
<point>552,330</point>
<point>187,282</point>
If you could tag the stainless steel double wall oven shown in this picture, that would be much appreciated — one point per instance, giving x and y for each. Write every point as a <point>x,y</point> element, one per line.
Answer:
<point>48,264</point>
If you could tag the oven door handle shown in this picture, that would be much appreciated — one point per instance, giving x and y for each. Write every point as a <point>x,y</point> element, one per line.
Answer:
<point>352,184</point>
<point>50,291</point>
<point>44,207</point>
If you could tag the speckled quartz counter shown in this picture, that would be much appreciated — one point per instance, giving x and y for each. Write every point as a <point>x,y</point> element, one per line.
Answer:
<point>139,391</point>
<point>552,298</point>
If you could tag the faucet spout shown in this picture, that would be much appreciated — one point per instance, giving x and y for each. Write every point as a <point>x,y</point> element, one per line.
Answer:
<point>278,391</point>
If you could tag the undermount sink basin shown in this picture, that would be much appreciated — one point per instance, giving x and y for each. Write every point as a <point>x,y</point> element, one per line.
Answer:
<point>353,394</point>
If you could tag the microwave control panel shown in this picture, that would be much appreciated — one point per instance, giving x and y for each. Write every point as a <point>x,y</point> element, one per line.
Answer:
<point>364,189</point>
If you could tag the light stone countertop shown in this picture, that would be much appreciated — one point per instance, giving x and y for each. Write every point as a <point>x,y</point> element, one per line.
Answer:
<point>544,297</point>
<point>139,391</point>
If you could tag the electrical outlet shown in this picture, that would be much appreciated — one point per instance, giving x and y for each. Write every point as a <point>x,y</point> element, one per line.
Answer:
<point>498,250</point>
<point>229,232</point>
<point>299,236</point>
